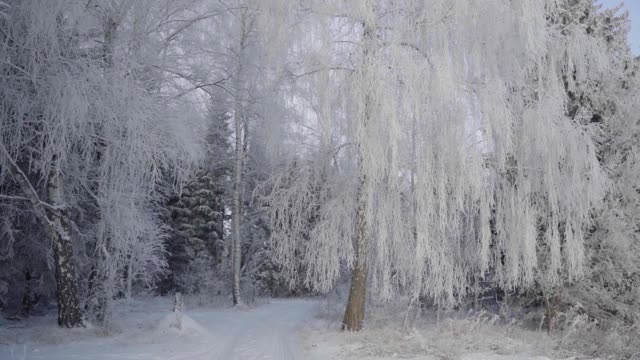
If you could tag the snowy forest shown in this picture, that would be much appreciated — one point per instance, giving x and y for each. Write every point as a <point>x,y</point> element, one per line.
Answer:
<point>318,179</point>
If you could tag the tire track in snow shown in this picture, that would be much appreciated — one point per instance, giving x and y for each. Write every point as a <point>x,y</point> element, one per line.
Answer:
<point>267,332</point>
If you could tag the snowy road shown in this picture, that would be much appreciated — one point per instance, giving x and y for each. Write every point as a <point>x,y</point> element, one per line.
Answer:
<point>267,332</point>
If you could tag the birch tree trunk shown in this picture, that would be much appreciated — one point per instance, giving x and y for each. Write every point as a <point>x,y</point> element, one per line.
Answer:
<point>354,313</point>
<point>68,296</point>
<point>54,218</point>
<point>100,284</point>
<point>235,217</point>
<point>239,124</point>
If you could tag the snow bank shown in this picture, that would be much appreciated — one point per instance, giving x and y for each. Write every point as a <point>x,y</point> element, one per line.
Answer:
<point>490,356</point>
<point>181,325</point>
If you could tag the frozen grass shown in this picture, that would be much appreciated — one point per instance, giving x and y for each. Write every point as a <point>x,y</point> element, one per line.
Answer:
<point>585,341</point>
<point>393,333</point>
<point>145,328</point>
<point>389,334</point>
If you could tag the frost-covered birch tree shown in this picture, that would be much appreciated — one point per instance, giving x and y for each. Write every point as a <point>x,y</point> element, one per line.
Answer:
<point>239,81</point>
<point>77,128</point>
<point>499,172</point>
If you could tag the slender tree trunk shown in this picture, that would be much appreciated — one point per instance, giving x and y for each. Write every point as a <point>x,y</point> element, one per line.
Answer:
<point>97,302</point>
<point>236,216</point>
<point>27,298</point>
<point>412,183</point>
<point>354,313</point>
<point>235,222</point>
<point>551,301</point>
<point>101,289</point>
<point>129,277</point>
<point>244,168</point>
<point>235,219</point>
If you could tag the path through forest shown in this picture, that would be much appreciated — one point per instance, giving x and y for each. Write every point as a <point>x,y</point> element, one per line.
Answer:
<point>268,331</point>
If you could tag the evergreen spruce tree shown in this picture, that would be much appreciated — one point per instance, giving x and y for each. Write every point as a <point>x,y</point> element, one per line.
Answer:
<point>197,216</point>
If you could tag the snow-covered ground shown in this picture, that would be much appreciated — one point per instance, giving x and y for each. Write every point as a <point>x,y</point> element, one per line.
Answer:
<point>389,334</point>
<point>276,329</point>
<point>146,331</point>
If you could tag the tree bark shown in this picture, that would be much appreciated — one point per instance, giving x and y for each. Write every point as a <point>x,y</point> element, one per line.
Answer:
<point>54,218</point>
<point>354,312</point>
<point>27,298</point>
<point>236,216</point>
<point>235,221</point>
<point>551,304</point>
<point>69,313</point>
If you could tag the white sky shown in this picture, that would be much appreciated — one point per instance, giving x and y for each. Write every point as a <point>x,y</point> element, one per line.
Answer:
<point>634,10</point>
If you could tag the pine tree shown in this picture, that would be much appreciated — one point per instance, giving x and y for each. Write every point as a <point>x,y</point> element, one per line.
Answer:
<point>197,247</point>
<point>197,218</point>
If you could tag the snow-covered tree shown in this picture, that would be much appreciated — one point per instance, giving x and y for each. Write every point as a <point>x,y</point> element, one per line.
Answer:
<point>607,101</point>
<point>76,129</point>
<point>493,143</point>
<point>420,146</point>
<point>237,78</point>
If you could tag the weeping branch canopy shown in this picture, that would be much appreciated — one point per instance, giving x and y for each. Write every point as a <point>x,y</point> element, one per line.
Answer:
<point>473,165</point>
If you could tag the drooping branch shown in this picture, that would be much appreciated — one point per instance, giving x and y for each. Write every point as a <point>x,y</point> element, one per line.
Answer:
<point>27,188</point>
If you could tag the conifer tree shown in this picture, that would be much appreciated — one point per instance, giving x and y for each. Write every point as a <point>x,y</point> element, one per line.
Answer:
<point>197,243</point>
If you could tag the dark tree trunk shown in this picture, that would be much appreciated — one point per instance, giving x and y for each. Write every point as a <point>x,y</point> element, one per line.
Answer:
<point>354,313</point>
<point>27,298</point>
<point>96,305</point>
<point>551,304</point>
<point>69,312</point>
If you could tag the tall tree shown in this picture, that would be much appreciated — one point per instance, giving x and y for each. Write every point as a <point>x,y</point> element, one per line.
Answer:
<point>425,68</point>
<point>245,24</point>
<point>354,313</point>
<point>197,215</point>
<point>242,83</point>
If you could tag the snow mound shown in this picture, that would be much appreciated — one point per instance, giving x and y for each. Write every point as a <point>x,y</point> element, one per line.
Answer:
<point>181,325</point>
<point>489,356</point>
